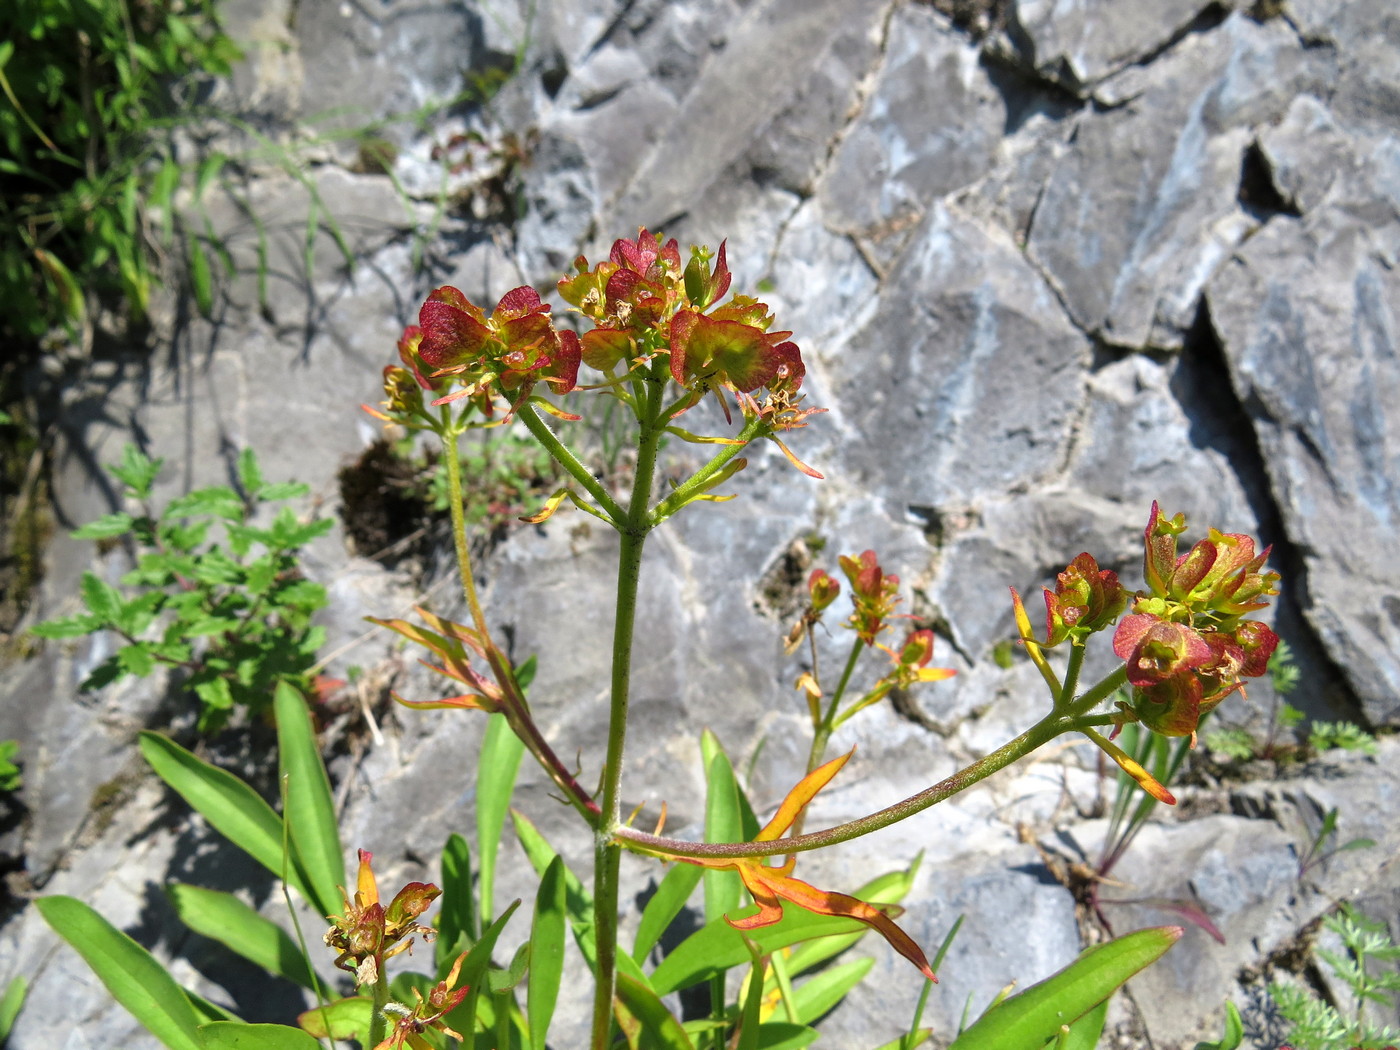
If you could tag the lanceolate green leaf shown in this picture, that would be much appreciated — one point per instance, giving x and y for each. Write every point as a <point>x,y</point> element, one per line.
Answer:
<point>310,809</point>
<point>233,809</point>
<point>784,1035</point>
<point>819,994</point>
<point>495,782</point>
<point>578,902</point>
<point>666,903</point>
<point>723,823</point>
<point>130,972</point>
<point>224,918</point>
<point>1084,1034</point>
<point>659,1028</point>
<point>457,914</point>
<point>226,1035</point>
<point>472,974</point>
<point>10,1003</point>
<point>546,952</point>
<point>1234,1032</point>
<point>717,946</point>
<point>1031,1019</point>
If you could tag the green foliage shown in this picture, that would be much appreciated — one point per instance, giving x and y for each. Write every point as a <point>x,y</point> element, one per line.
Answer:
<point>1233,743</point>
<point>1030,1019</point>
<point>1283,669</point>
<point>234,616</point>
<point>86,169</point>
<point>1234,1031</point>
<point>1318,1025</point>
<point>1324,736</point>
<point>10,1004</point>
<point>10,779</point>
<point>505,473</point>
<point>1323,844</point>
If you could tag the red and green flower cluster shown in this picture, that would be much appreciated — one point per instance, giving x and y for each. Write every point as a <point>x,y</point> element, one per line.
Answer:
<point>368,933</point>
<point>642,303</point>
<point>1187,643</point>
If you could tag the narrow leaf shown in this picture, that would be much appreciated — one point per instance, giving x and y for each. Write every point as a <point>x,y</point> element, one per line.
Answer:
<point>1085,1033</point>
<point>501,751</point>
<point>130,972</point>
<point>1234,1031</point>
<point>816,996</point>
<point>723,823</point>
<point>227,1035</point>
<point>1031,1019</point>
<point>231,807</point>
<point>457,913</point>
<point>784,1035</point>
<point>310,809</point>
<point>546,952</point>
<point>201,277</point>
<point>10,1004</point>
<point>666,903</point>
<point>224,918</point>
<point>658,1026</point>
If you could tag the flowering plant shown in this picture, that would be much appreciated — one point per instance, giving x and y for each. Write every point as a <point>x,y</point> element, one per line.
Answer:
<point>661,337</point>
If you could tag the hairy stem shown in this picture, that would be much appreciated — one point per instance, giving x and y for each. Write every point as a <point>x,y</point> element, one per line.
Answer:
<point>450,435</point>
<point>608,854</point>
<point>565,457</point>
<point>377,1021</point>
<point>1046,729</point>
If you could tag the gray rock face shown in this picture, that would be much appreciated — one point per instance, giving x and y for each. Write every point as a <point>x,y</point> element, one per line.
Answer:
<point>1089,255</point>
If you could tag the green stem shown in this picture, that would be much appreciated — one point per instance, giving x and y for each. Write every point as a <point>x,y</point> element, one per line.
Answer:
<point>822,736</point>
<point>1076,661</point>
<point>1042,732</point>
<point>607,853</point>
<point>701,480</point>
<point>1100,692</point>
<point>565,457</point>
<point>450,435</point>
<point>377,1021</point>
<point>520,720</point>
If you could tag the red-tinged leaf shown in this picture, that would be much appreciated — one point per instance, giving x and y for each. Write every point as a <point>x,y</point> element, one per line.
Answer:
<point>740,353</point>
<point>518,302</point>
<point>770,885</point>
<point>434,643</point>
<point>797,799</point>
<point>1130,766</point>
<point>469,700</point>
<point>1159,548</point>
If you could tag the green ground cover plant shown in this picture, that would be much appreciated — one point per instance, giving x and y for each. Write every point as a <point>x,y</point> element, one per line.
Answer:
<point>661,335</point>
<point>93,90</point>
<point>216,593</point>
<point>1318,1024</point>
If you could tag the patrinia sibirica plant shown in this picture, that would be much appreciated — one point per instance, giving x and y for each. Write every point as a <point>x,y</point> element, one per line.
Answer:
<point>660,334</point>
